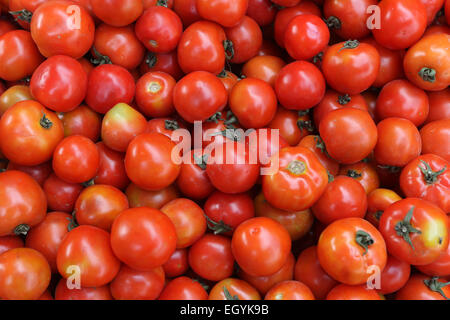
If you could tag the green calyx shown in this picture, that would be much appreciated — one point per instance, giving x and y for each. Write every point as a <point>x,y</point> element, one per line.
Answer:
<point>45,122</point>
<point>350,44</point>
<point>378,215</point>
<point>21,229</point>
<point>217,227</point>
<point>343,100</point>
<point>99,58</point>
<point>436,286</point>
<point>296,167</point>
<point>364,240</point>
<point>333,22</point>
<point>429,175</point>
<point>215,117</point>
<point>151,59</point>
<point>404,227</point>
<point>353,174</point>
<point>201,161</point>
<point>228,295</point>
<point>171,125</point>
<point>72,222</point>
<point>229,49</point>
<point>22,15</point>
<point>428,74</point>
<point>305,125</point>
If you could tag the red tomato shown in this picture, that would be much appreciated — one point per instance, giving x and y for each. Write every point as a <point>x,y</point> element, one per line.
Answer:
<point>421,287</point>
<point>111,169</point>
<point>262,11</point>
<point>394,276</point>
<point>363,172</point>
<point>439,105</point>
<point>347,292</point>
<point>177,264</point>
<point>228,79</point>
<point>117,13</point>
<point>183,288</point>
<point>62,292</point>
<point>265,68</point>
<point>82,121</point>
<point>439,267</point>
<point>6,26</point>
<point>246,38</point>
<point>12,95</point>
<point>39,173</point>
<point>10,242</point>
<point>436,137</point>
<point>316,145</point>
<point>164,62</point>
<point>138,197</point>
<point>62,27</point>
<point>227,13</point>
<point>377,201</point>
<point>61,195</point>
<point>187,11</point>
<point>292,126</point>
<point>233,289</point>
<point>290,290</point>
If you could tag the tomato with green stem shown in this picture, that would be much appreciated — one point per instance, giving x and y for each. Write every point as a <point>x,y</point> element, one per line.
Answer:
<point>233,289</point>
<point>377,201</point>
<point>246,38</point>
<point>421,287</point>
<point>363,172</point>
<point>316,145</point>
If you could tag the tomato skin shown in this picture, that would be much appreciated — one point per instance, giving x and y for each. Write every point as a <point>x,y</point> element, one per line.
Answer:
<point>439,105</point>
<point>10,242</point>
<point>119,44</point>
<point>159,29</point>
<point>377,201</point>
<point>262,11</point>
<point>426,217</point>
<point>400,98</point>
<point>342,60</point>
<point>183,288</point>
<point>363,172</point>
<point>261,246</point>
<point>439,267</point>
<point>299,85</point>
<point>39,173</point>
<point>398,142</point>
<point>416,289</point>
<point>131,284</point>
<point>226,13</point>
<point>289,124</point>
<point>198,96</point>
<point>22,201</point>
<point>108,85</point>
<point>61,195</point>
<point>138,197</point>
<point>187,11</point>
<point>151,229</point>
<point>435,138</point>
<point>235,287</point>
<point>343,257</point>
<point>402,23</point>
<point>308,270</point>
<point>6,26</point>
<point>59,83</point>
<point>148,161</point>
<point>265,68</point>
<point>24,274</point>
<point>250,97</point>
<point>53,31</point>
<point>416,181</point>
<point>177,264</point>
<point>62,292</point>
<point>164,62</point>
<point>76,159</point>
<point>12,95</point>
<point>315,144</point>
<point>154,94</point>
<point>117,13</point>
<point>111,169</point>
<point>289,290</point>
<point>348,292</point>
<point>81,121</point>
<point>425,54</point>
<point>19,55</point>
<point>394,276</point>
<point>247,39</point>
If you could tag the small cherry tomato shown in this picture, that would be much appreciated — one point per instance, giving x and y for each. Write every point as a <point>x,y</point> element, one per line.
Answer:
<point>233,289</point>
<point>289,290</point>
<point>183,288</point>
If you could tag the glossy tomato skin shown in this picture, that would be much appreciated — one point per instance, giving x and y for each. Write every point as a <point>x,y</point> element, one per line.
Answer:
<point>291,126</point>
<point>111,168</point>
<point>439,267</point>
<point>22,202</point>
<point>402,23</point>
<point>316,145</point>
<point>290,290</point>
<point>417,289</point>
<point>159,29</point>
<point>439,105</point>
<point>347,247</point>
<point>117,13</point>
<point>177,264</point>
<point>426,239</point>
<point>132,284</point>
<point>435,138</point>
<point>148,227</point>
<point>164,62</point>
<point>19,55</point>
<point>246,37</point>
<point>427,177</point>
<point>24,274</point>
<point>262,11</point>
<point>356,292</point>
<point>349,134</point>
<point>363,172</point>
<point>138,197</point>
<point>183,288</point>
<point>299,85</point>
<point>235,287</point>
<point>187,11</point>
<point>62,292</point>
<point>59,83</point>
<point>377,201</point>
<point>10,242</point>
<point>76,159</point>
<point>148,161</point>
<point>226,13</point>
<point>55,30</point>
<point>61,195</point>
<point>89,248</point>
<point>265,68</point>
<point>12,95</point>
<point>261,246</point>
<point>394,276</point>
<point>83,121</point>
<point>39,173</point>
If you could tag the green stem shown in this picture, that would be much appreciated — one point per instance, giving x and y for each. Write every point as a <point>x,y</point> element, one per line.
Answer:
<point>404,227</point>
<point>429,175</point>
<point>436,286</point>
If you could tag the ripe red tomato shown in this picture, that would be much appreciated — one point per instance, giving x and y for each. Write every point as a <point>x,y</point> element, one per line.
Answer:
<point>439,105</point>
<point>177,264</point>
<point>233,289</point>
<point>117,13</point>
<point>6,26</point>
<point>39,173</point>
<point>22,11</point>
<point>377,201</point>
<point>111,169</point>
<point>394,276</point>
<point>315,144</point>
<point>61,195</point>
<point>421,287</point>
<point>292,126</point>
<point>187,11</point>
<point>10,242</point>
<point>82,121</point>
<point>164,62</point>
<point>363,172</point>
<point>62,28</point>
<point>347,292</point>
<point>262,11</point>
<point>62,292</point>
<point>439,267</point>
<point>226,13</point>
<point>12,95</point>
<point>416,231</point>
<point>289,290</point>
<point>183,288</point>
<point>265,68</point>
<point>246,38</point>
<point>24,274</point>
<point>138,197</point>
<point>435,138</point>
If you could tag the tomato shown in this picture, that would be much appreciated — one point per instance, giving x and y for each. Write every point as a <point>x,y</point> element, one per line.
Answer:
<point>109,85</point>
<point>351,67</point>
<point>286,3</point>
<point>296,223</point>
<point>347,247</point>
<point>177,264</point>
<point>377,201</point>
<point>89,249</point>
<point>76,159</point>
<point>290,290</point>
<point>401,23</point>
<point>117,13</point>
<point>439,267</point>
<point>299,85</point>
<point>427,177</point>
<point>62,292</point>
<point>228,79</point>
<point>118,45</point>
<point>334,100</point>
<point>415,230</point>
<point>132,284</point>
<point>261,246</point>
<point>421,287</point>
<point>57,25</point>
<point>262,11</point>
<point>12,95</point>
<point>81,121</point>
<point>265,68</point>
<point>292,126</point>
<point>226,13</point>
<point>198,96</point>
<point>447,12</point>
<point>201,48</point>
<point>365,173</point>
<point>22,203</point>
<point>269,48</point>
<point>308,271</point>
<point>159,29</point>
<point>183,288</point>
<point>39,173</point>
<point>435,138</point>
<point>47,236</point>
<point>349,134</point>
<point>439,105</point>
<point>6,26</point>
<point>138,197</point>
<point>233,289</point>
<point>165,126</point>
<point>10,242</point>
<point>427,63</point>
<point>187,11</point>
<point>143,238</point>
<point>398,142</point>
<point>111,169</point>
<point>164,62</point>
<point>19,55</point>
<point>24,274</point>
<point>394,276</point>
<point>315,144</point>
<point>305,36</point>
<point>246,38</point>
<point>250,97</point>
<point>61,195</point>
<point>347,292</point>
<point>59,83</point>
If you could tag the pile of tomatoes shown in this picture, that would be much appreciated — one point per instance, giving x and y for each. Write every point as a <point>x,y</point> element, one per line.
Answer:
<point>348,99</point>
